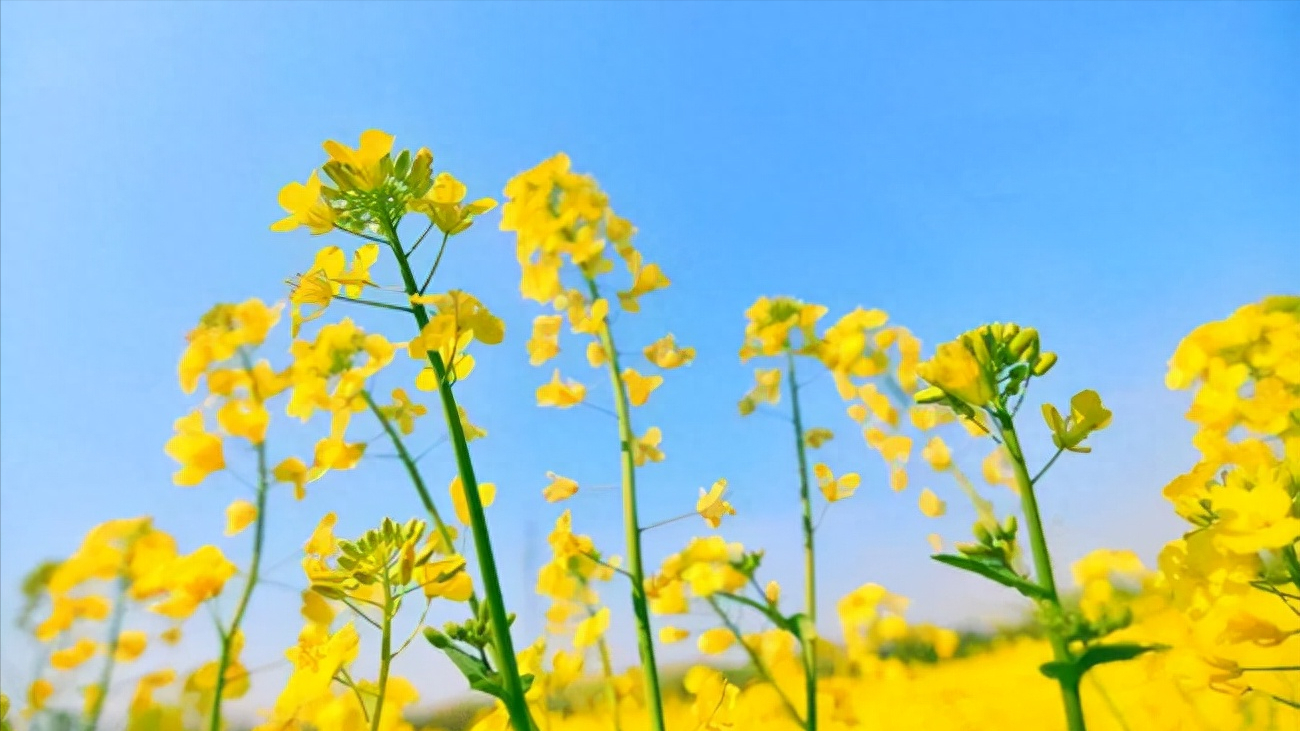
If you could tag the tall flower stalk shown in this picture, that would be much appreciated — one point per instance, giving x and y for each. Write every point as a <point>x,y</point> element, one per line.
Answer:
<point>561,217</point>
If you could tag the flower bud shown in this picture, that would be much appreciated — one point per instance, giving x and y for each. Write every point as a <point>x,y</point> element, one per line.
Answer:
<point>1009,331</point>
<point>773,592</point>
<point>1021,342</point>
<point>1009,527</point>
<point>436,638</point>
<point>983,534</point>
<point>1043,363</point>
<point>930,395</point>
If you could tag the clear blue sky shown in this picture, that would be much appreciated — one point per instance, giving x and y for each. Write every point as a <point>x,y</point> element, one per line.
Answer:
<point>1132,169</point>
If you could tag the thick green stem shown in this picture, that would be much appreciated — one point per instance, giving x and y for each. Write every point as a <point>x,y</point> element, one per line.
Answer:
<point>756,660</point>
<point>385,656</point>
<point>807,639</point>
<point>404,455</point>
<point>114,637</point>
<point>1043,570</point>
<point>228,634</point>
<point>503,646</point>
<point>631,524</point>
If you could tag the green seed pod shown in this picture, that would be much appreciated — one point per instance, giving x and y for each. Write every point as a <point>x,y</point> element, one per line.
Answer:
<point>436,638</point>
<point>930,395</point>
<point>1021,342</point>
<point>1043,363</point>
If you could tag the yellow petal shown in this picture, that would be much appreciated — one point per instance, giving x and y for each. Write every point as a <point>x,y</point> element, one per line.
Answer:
<point>239,515</point>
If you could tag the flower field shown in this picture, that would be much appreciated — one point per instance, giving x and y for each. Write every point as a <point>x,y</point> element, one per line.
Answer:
<point>1207,638</point>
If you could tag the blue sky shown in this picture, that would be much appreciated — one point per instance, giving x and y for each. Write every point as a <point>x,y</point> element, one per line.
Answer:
<point>1113,174</point>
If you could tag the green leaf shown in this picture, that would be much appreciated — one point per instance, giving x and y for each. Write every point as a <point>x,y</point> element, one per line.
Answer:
<point>479,675</point>
<point>1118,652</point>
<point>1071,671</point>
<point>996,572</point>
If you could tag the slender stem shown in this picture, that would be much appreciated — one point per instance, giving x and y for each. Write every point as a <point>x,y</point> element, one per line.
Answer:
<point>228,635</point>
<point>809,643</point>
<point>436,261</point>
<point>1034,480</point>
<point>371,303</point>
<point>756,660</point>
<point>607,669</point>
<point>1042,569</point>
<point>503,646</point>
<point>114,637</point>
<point>417,480</point>
<point>385,655</point>
<point>419,240</point>
<point>631,523</point>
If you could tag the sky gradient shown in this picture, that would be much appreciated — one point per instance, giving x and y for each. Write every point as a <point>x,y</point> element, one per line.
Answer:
<point>1112,174</point>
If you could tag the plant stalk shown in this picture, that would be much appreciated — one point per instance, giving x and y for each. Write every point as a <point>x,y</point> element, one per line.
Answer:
<point>809,643</point>
<point>631,523</point>
<point>254,568</point>
<point>503,646</point>
<point>1043,569</point>
<point>114,637</point>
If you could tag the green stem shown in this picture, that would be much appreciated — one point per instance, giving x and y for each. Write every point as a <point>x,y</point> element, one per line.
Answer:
<point>631,523</point>
<point>808,640</point>
<point>228,635</point>
<point>385,655</point>
<point>1043,569</point>
<point>114,637</point>
<point>503,646</point>
<point>417,479</point>
<point>756,660</point>
<point>607,669</point>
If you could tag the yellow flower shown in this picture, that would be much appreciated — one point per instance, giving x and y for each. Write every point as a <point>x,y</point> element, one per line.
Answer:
<point>715,641</point>
<point>647,449</point>
<point>931,505</point>
<point>596,355</point>
<point>772,592</point>
<point>487,493</point>
<point>199,452</point>
<point>444,205</point>
<point>306,207</point>
<point>817,436</point>
<point>897,478</point>
<point>937,454</point>
<point>244,418</point>
<point>1087,415</point>
<point>591,629</point>
<point>835,489</point>
<point>130,645</point>
<point>665,354</point>
<point>560,488</point>
<point>448,578</point>
<point>956,370</point>
<point>363,167</point>
<point>292,470</point>
<point>472,431</point>
<point>767,390</point>
<point>669,635</point>
<point>997,469</point>
<point>316,609</point>
<point>711,506</point>
<point>404,411</point>
<point>322,542</point>
<point>37,694</point>
<point>91,697</point>
<point>645,279</point>
<point>71,657</point>
<point>239,515</point>
<point>545,342</point>
<point>639,387</point>
<point>561,394</point>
